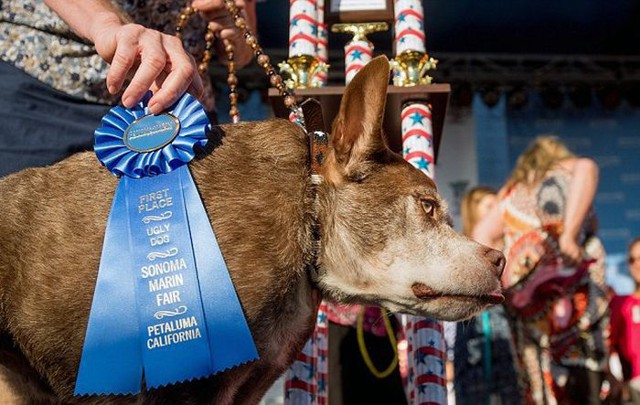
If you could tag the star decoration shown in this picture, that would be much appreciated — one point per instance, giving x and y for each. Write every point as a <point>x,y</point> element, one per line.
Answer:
<point>294,22</point>
<point>422,388</point>
<point>322,317</point>
<point>402,18</point>
<point>417,118</point>
<point>293,45</point>
<point>421,356</point>
<point>357,54</point>
<point>309,369</point>
<point>423,164</point>
<point>321,384</point>
<point>407,150</point>
<point>402,40</point>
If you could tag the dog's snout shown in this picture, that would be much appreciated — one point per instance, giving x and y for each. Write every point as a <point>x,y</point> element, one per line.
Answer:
<point>497,260</point>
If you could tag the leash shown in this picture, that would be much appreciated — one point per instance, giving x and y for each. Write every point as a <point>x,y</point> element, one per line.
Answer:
<point>313,126</point>
<point>203,66</point>
<point>362,345</point>
<point>296,115</point>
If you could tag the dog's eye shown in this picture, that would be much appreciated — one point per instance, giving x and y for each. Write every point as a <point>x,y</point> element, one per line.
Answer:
<point>429,206</point>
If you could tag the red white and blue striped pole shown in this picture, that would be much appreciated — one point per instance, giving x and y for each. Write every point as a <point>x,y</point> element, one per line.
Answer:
<point>426,380</point>
<point>417,137</point>
<point>357,53</point>
<point>303,27</point>
<point>321,45</point>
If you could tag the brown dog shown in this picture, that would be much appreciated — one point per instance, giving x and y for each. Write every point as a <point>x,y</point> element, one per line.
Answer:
<point>384,240</point>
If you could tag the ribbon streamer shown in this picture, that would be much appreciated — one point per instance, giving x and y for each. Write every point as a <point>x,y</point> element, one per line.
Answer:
<point>160,259</point>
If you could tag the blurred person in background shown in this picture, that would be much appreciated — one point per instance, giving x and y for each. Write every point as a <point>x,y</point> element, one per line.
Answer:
<point>554,278</point>
<point>625,329</point>
<point>483,358</point>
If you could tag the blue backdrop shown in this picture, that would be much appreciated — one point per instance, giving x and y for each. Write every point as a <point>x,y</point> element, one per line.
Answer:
<point>610,137</point>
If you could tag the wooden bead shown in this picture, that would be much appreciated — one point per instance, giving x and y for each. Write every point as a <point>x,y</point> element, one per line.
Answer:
<point>209,36</point>
<point>263,59</point>
<point>232,80</point>
<point>289,101</point>
<point>275,80</point>
<point>241,23</point>
<point>203,67</point>
<point>234,111</point>
<point>228,48</point>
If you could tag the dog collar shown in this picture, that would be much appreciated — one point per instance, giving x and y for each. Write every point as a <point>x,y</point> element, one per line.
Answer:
<point>318,146</point>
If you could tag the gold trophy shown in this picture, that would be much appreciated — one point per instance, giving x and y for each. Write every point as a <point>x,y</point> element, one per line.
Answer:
<point>300,71</point>
<point>359,30</point>
<point>410,68</point>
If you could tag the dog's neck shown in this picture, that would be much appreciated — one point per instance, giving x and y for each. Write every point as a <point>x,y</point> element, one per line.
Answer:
<point>259,177</point>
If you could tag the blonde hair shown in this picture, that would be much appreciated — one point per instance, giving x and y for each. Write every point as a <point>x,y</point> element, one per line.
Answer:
<point>469,207</point>
<point>541,155</point>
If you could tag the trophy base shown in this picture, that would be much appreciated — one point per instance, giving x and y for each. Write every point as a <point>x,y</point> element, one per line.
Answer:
<point>301,71</point>
<point>410,68</point>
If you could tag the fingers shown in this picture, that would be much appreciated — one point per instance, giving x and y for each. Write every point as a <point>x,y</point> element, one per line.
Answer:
<point>572,255</point>
<point>214,5</point>
<point>220,21</point>
<point>153,61</point>
<point>182,74</point>
<point>124,58</point>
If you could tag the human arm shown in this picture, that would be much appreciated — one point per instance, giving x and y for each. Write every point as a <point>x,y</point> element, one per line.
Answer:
<point>149,57</point>
<point>222,22</point>
<point>490,230</point>
<point>582,190</point>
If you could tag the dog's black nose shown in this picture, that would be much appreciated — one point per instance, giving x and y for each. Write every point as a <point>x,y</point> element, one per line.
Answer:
<point>496,258</point>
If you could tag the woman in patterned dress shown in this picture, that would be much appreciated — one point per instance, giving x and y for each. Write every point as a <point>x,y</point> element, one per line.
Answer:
<point>554,278</point>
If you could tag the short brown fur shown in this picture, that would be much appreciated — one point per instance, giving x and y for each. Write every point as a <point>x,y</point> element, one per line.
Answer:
<point>257,192</point>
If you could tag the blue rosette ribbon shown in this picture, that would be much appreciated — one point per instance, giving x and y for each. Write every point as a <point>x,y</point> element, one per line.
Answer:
<point>164,307</point>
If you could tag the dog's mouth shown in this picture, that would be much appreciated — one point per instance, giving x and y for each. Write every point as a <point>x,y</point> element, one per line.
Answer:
<point>425,293</point>
<point>493,298</point>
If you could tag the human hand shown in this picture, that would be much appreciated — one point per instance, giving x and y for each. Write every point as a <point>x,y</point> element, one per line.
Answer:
<point>223,24</point>
<point>220,20</point>
<point>570,250</point>
<point>151,59</point>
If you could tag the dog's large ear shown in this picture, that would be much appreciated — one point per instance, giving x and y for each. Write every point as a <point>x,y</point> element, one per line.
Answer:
<point>357,130</point>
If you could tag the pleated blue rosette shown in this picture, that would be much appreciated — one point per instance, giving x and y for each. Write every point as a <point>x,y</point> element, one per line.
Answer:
<point>164,307</point>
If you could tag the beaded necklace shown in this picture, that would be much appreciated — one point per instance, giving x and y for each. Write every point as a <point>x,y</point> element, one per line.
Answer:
<point>232,80</point>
